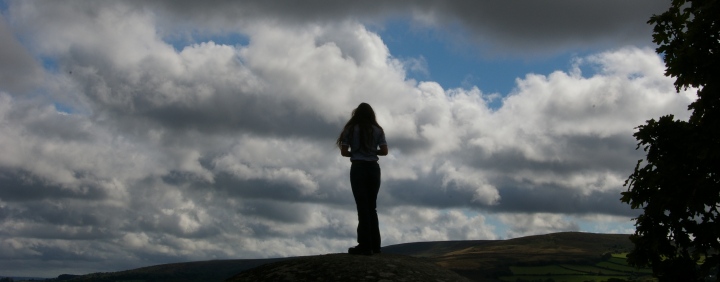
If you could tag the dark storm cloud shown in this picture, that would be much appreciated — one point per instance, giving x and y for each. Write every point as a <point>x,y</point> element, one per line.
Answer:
<point>20,186</point>
<point>578,155</point>
<point>575,154</point>
<point>550,24</point>
<point>410,146</point>
<point>515,196</point>
<point>19,72</point>
<point>426,192</point>
<point>517,26</point>
<point>286,212</point>
<point>60,232</point>
<point>43,121</point>
<point>255,189</point>
<point>559,200</point>
<point>61,213</point>
<point>240,114</point>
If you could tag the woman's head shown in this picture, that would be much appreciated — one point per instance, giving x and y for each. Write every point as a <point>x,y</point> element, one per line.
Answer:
<point>363,114</point>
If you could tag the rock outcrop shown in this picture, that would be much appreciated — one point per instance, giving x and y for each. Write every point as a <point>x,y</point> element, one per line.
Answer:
<point>346,268</point>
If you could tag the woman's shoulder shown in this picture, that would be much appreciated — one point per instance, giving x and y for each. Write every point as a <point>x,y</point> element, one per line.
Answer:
<point>378,132</point>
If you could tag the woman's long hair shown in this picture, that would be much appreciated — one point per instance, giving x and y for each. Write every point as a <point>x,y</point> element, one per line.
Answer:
<point>364,117</point>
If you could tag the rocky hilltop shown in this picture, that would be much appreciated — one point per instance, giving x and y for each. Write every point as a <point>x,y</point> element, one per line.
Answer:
<point>478,260</point>
<point>344,267</point>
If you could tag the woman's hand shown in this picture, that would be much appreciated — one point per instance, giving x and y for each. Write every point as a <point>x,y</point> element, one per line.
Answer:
<point>344,151</point>
<point>383,150</point>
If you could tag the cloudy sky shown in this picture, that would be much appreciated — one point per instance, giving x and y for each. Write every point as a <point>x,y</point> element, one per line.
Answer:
<point>136,133</point>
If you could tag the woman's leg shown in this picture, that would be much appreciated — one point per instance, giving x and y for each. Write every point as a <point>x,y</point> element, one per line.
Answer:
<point>365,182</point>
<point>374,188</point>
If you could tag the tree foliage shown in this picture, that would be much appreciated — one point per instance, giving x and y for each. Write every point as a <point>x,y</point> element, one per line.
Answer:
<point>678,183</point>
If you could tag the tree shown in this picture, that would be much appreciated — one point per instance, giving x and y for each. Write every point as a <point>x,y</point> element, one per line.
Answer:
<point>678,183</point>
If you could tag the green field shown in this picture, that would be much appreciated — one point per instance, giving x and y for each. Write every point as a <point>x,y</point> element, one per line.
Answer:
<point>543,270</point>
<point>615,267</point>
<point>591,269</point>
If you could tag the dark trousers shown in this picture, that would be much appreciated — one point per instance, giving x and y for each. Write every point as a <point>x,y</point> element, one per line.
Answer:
<point>365,182</point>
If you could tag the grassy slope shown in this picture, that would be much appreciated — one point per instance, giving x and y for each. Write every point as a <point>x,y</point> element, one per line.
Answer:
<point>614,267</point>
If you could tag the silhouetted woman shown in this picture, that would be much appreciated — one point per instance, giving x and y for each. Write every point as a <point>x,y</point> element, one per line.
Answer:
<point>363,140</point>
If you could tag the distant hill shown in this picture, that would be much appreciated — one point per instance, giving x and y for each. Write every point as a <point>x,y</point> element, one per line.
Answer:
<point>212,270</point>
<point>486,260</point>
<point>480,260</point>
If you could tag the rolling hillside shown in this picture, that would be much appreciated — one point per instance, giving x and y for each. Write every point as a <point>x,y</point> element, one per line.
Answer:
<point>481,260</point>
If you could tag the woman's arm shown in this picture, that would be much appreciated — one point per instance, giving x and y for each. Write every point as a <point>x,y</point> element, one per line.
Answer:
<point>344,151</point>
<point>383,150</point>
